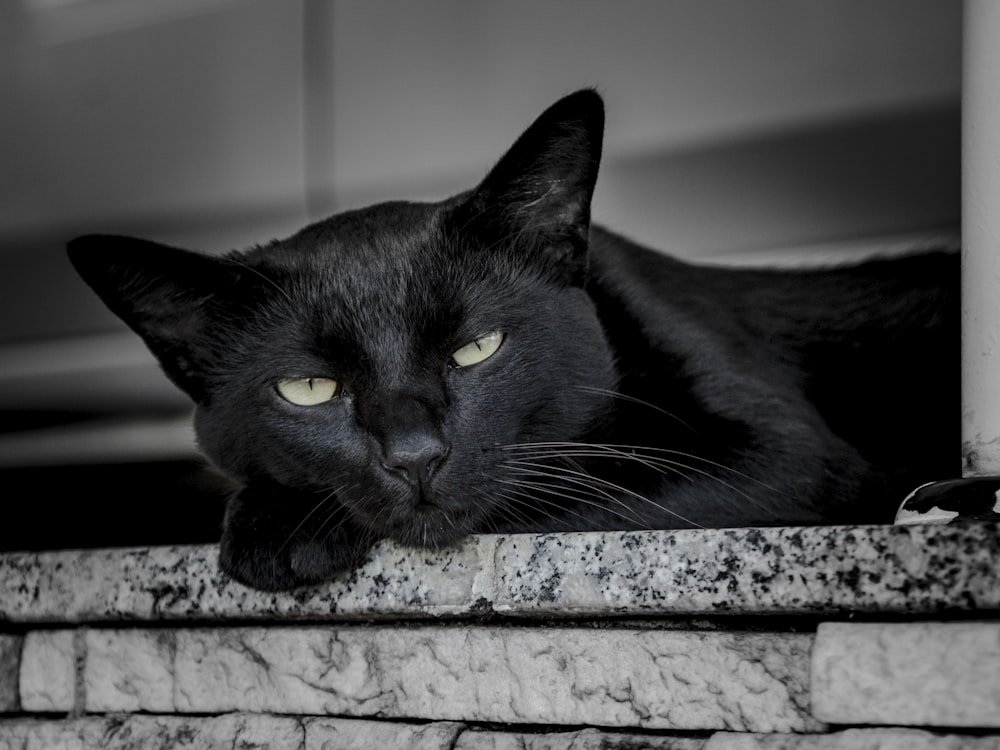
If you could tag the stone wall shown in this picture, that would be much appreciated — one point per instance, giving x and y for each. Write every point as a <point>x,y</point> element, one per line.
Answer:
<point>875,637</point>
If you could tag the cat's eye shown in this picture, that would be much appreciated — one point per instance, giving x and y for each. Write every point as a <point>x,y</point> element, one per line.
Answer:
<point>307,391</point>
<point>475,352</point>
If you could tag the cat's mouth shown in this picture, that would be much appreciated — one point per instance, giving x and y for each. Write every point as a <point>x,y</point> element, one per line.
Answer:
<point>426,523</point>
<point>431,532</point>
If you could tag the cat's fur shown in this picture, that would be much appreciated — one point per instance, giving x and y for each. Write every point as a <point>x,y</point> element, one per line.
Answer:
<point>631,390</point>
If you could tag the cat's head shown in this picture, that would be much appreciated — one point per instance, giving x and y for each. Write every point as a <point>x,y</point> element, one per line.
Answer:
<point>386,359</point>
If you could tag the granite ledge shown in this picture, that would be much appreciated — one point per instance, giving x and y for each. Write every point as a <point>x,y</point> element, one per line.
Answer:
<point>909,570</point>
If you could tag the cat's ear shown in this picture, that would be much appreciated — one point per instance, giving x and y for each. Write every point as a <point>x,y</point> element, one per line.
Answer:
<point>538,195</point>
<point>170,297</point>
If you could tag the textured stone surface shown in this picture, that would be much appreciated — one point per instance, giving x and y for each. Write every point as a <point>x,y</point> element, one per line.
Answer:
<point>659,679</point>
<point>854,739</point>
<point>782,570</point>
<point>266,732</point>
<point>257,731</point>
<point>607,677</point>
<point>129,670</point>
<point>10,665</point>
<point>48,671</point>
<point>355,734</point>
<point>929,674</point>
<point>177,583</point>
<point>584,739</point>
<point>139,732</point>
<point>915,569</point>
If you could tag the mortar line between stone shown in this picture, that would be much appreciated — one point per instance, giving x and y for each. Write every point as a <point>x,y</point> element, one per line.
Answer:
<point>79,664</point>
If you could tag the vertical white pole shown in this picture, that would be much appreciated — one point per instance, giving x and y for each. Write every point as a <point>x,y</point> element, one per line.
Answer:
<point>981,240</point>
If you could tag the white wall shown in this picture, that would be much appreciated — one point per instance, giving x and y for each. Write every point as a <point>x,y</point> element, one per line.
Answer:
<point>165,116</point>
<point>185,109</point>
<point>439,87</point>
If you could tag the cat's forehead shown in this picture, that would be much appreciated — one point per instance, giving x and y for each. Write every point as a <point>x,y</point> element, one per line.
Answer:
<point>384,240</point>
<point>386,268</point>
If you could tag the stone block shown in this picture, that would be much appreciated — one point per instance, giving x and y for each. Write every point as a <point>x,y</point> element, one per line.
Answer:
<point>48,671</point>
<point>911,674</point>
<point>129,670</point>
<point>142,732</point>
<point>583,739</point>
<point>10,666</point>
<point>352,734</point>
<point>895,738</point>
<point>609,677</point>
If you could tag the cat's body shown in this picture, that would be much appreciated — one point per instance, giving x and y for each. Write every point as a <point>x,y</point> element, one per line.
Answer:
<point>494,363</point>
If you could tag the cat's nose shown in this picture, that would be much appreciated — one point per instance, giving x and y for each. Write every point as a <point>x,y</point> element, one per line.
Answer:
<point>414,460</point>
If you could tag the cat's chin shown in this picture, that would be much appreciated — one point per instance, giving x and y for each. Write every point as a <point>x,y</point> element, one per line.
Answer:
<point>429,527</point>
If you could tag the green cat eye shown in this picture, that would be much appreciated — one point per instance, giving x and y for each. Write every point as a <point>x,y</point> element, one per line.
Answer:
<point>307,391</point>
<point>482,348</point>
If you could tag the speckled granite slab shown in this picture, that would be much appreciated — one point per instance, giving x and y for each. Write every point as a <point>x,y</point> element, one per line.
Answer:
<point>611,677</point>
<point>885,569</point>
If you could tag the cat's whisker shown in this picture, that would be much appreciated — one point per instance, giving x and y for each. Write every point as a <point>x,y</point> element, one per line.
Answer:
<point>580,481</point>
<point>485,496</point>
<point>661,465</point>
<point>619,489</point>
<point>641,455</point>
<point>632,451</point>
<point>530,495</point>
<point>634,400</point>
<point>291,535</point>
<point>514,502</point>
<point>579,487</point>
<point>329,530</point>
<point>532,492</point>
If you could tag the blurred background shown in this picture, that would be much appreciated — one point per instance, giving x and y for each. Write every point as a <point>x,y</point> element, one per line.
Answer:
<point>737,131</point>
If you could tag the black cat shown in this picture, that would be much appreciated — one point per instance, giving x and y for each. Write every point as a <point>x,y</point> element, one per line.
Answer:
<point>493,362</point>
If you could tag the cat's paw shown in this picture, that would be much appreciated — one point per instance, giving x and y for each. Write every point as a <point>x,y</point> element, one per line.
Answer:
<point>273,546</point>
<point>269,569</point>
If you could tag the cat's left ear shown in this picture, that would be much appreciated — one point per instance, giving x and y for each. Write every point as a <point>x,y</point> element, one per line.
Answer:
<point>537,197</point>
<point>170,297</point>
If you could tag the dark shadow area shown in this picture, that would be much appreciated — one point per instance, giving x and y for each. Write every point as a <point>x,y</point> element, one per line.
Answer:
<point>115,505</point>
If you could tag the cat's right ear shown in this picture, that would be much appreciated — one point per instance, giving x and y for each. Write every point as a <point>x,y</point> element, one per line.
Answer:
<point>536,199</point>
<point>166,295</point>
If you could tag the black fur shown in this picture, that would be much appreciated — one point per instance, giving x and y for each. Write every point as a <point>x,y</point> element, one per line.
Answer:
<point>631,390</point>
